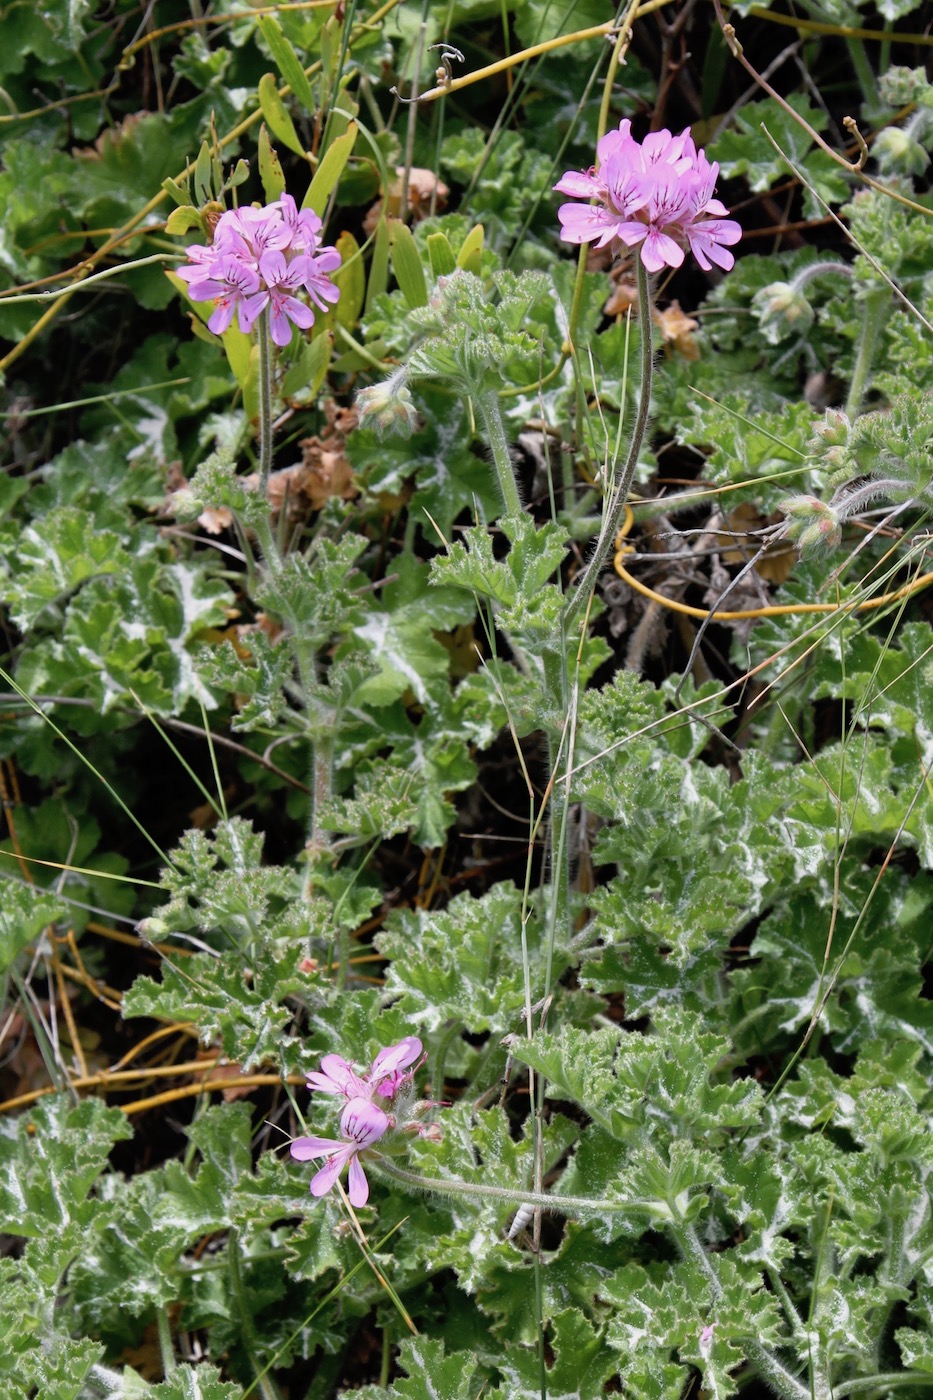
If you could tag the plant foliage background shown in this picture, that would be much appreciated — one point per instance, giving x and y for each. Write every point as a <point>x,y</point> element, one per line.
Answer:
<point>279,766</point>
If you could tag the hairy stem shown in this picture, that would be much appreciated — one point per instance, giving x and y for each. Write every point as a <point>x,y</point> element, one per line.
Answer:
<point>873,316</point>
<point>265,403</point>
<point>487,406</point>
<point>483,1191</point>
<point>615,506</point>
<point>166,1345</point>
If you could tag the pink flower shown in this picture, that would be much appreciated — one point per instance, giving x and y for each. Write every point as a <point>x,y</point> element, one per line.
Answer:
<point>389,1070</point>
<point>336,1076</point>
<point>386,1075</point>
<point>361,1124</point>
<point>260,258</point>
<point>657,194</point>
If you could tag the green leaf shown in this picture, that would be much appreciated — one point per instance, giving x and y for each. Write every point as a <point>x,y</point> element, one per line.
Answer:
<point>406,264</point>
<point>50,1159</point>
<point>25,913</point>
<point>305,377</point>
<point>195,1383</point>
<point>270,167</point>
<point>432,1375</point>
<point>329,170</point>
<point>45,565</point>
<point>287,62</point>
<point>462,963</point>
<point>441,255</point>
<point>351,280</point>
<point>276,114</point>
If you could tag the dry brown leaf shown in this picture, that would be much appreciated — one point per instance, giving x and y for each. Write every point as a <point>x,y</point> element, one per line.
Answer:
<point>775,564</point>
<point>422,184</point>
<point>677,329</point>
<point>215,519</point>
<point>622,298</point>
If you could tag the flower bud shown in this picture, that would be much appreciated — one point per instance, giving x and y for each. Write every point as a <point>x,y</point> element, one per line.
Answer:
<point>185,504</point>
<point>831,431</point>
<point>388,407</point>
<point>900,86</point>
<point>812,525</point>
<point>783,310</point>
<point>898,152</point>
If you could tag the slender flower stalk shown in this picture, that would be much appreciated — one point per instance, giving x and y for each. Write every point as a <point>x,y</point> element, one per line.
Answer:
<point>655,197</point>
<point>612,516</point>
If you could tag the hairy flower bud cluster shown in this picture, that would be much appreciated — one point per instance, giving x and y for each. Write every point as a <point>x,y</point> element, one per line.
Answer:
<point>782,310</point>
<point>656,194</point>
<point>898,151</point>
<point>387,407</point>
<point>260,258</point>
<point>812,525</point>
<point>364,1119</point>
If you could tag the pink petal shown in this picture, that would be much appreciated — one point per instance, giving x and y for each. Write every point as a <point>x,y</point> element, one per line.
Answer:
<point>325,1178</point>
<point>306,1148</point>
<point>336,1076</point>
<point>580,186</point>
<point>581,223</point>
<point>659,251</point>
<point>362,1122</point>
<point>395,1057</point>
<point>357,1185</point>
<point>250,308</point>
<point>220,321</point>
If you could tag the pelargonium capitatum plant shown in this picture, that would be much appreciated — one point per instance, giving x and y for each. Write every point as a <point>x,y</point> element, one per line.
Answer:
<point>655,194</point>
<point>363,1120</point>
<point>260,258</point>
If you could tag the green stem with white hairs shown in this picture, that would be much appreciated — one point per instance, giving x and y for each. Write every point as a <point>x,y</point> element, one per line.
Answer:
<point>622,484</point>
<point>486,403</point>
<point>875,310</point>
<point>480,1191</point>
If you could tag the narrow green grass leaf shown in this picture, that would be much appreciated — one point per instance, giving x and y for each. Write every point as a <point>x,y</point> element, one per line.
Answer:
<point>276,114</point>
<point>286,60</point>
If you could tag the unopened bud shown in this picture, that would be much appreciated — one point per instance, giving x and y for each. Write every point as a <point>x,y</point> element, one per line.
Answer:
<point>898,152</point>
<point>185,504</point>
<point>832,430</point>
<point>388,407</point>
<point>783,310</point>
<point>812,525</point>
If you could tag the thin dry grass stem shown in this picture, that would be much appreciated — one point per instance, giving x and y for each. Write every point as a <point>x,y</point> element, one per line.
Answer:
<point>65,1000</point>
<point>110,1079</point>
<point>179,1028</point>
<point>841,31</point>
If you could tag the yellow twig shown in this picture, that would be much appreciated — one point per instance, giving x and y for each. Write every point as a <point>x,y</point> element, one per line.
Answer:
<point>842,31</point>
<point>597,31</point>
<point>777,610</point>
<point>210,1086</point>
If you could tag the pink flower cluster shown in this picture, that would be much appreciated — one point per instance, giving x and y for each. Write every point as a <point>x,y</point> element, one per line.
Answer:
<point>656,193</point>
<point>260,258</point>
<point>362,1121</point>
